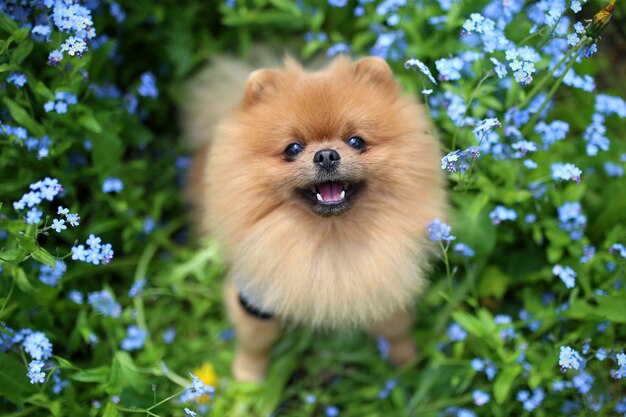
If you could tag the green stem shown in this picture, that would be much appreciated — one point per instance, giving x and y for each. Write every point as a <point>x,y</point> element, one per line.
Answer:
<point>537,88</point>
<point>137,410</point>
<point>550,35</point>
<point>6,300</point>
<point>140,273</point>
<point>551,93</point>
<point>165,400</point>
<point>444,250</point>
<point>152,407</point>
<point>468,106</point>
<point>529,37</point>
<point>23,412</point>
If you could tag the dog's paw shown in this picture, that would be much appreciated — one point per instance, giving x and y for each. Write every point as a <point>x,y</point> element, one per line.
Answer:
<point>248,367</point>
<point>402,351</point>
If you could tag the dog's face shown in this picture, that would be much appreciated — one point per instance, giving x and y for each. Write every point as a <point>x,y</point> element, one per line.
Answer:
<point>322,141</point>
<point>329,176</point>
<point>320,187</point>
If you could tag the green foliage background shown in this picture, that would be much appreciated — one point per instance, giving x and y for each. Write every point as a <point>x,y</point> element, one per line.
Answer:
<point>512,268</point>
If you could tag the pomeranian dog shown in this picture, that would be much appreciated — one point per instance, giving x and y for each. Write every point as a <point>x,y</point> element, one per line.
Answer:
<point>319,187</point>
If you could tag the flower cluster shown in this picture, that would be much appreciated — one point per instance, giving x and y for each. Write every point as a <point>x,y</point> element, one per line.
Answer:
<point>137,287</point>
<point>572,219</point>
<point>463,250</point>
<point>419,65</point>
<point>20,135</point>
<point>62,100</point>
<point>46,189</point>
<point>33,343</point>
<point>566,274</point>
<point>486,366</point>
<point>500,214</point>
<point>488,34</point>
<point>389,386</point>
<point>104,303</point>
<point>569,358</point>
<point>619,249</point>
<point>522,63</point>
<point>480,397</point>
<point>94,252</point>
<point>35,372</point>
<point>135,338</point>
<point>531,400</point>
<point>459,160</point>
<point>148,87</point>
<point>73,19</point>
<point>197,390</point>
<point>17,79</point>
<point>438,231</point>
<point>507,331</point>
<point>565,172</point>
<point>52,275</point>
<point>551,132</point>
<point>112,185</point>
<point>620,372</point>
<point>456,333</point>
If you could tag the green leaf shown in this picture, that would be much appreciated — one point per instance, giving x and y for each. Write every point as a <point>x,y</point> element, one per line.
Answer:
<point>473,226</point>
<point>613,308</point>
<point>13,381</point>
<point>99,374</point>
<point>129,371</point>
<point>110,410</point>
<point>6,24</point>
<point>43,256</point>
<point>287,5</point>
<point>554,254</point>
<point>40,89</point>
<point>493,282</point>
<point>5,44</point>
<point>20,53</point>
<point>64,363</point>
<point>107,154</point>
<point>22,281</point>
<point>468,322</point>
<point>504,382</point>
<point>22,118</point>
<point>90,123</point>
<point>7,67</point>
<point>491,102</point>
<point>21,34</point>
<point>26,242</point>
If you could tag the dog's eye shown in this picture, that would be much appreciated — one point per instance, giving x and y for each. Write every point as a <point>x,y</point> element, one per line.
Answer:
<point>293,149</point>
<point>356,142</point>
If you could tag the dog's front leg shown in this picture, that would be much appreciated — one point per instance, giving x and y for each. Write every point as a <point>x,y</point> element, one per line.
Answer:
<point>397,330</point>
<point>255,338</point>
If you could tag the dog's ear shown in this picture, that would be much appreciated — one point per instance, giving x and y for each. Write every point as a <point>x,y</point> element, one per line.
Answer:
<point>259,82</point>
<point>374,69</point>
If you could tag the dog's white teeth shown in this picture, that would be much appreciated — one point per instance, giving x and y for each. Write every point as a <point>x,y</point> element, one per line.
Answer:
<point>319,197</point>
<point>343,194</point>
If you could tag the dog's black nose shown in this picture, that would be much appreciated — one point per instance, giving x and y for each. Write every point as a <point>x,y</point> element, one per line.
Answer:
<point>326,158</point>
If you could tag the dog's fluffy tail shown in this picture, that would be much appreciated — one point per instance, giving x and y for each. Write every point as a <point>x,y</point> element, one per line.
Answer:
<point>211,96</point>
<point>217,91</point>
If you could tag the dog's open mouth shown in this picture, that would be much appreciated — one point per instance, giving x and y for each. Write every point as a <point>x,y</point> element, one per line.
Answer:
<point>331,197</point>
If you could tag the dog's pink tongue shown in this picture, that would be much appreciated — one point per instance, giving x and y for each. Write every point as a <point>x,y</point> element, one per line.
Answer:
<point>330,191</point>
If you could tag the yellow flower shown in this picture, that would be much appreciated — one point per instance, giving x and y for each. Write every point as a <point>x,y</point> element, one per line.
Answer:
<point>206,373</point>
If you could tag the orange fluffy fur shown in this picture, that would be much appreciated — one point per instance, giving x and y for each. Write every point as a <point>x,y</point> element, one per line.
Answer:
<point>356,268</point>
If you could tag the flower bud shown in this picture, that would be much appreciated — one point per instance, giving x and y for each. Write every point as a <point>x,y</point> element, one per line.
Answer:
<point>600,20</point>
